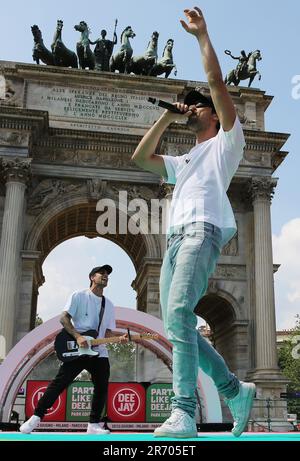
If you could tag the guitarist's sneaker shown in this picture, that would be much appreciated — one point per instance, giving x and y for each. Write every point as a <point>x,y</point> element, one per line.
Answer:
<point>95,428</point>
<point>240,407</point>
<point>30,424</point>
<point>179,425</point>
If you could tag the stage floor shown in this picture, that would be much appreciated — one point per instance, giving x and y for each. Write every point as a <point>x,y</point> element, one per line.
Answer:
<point>147,437</point>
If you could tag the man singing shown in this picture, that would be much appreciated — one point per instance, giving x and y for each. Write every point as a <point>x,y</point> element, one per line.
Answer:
<point>201,223</point>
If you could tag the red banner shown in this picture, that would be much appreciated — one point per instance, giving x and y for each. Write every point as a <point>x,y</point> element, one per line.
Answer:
<point>126,402</point>
<point>34,391</point>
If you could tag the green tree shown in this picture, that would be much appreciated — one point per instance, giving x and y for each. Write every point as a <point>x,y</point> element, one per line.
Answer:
<point>289,363</point>
<point>38,320</point>
<point>122,361</point>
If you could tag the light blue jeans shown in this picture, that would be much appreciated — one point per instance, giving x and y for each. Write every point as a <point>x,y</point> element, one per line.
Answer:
<point>190,259</point>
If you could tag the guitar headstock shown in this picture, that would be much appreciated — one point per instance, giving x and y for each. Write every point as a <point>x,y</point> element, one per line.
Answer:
<point>148,336</point>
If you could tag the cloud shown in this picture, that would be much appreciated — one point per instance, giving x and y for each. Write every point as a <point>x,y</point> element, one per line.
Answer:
<point>286,252</point>
<point>295,294</point>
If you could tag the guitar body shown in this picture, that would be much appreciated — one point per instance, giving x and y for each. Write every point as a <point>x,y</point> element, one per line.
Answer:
<point>67,349</point>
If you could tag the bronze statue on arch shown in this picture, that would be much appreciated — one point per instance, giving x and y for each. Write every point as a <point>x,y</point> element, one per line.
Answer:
<point>246,67</point>
<point>104,49</point>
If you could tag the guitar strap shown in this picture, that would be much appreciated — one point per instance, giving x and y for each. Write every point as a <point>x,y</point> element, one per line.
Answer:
<point>101,312</point>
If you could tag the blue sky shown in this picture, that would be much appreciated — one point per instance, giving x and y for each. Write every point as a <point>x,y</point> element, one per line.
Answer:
<point>272,27</point>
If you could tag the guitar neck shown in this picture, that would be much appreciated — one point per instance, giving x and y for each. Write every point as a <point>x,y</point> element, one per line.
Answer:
<point>112,339</point>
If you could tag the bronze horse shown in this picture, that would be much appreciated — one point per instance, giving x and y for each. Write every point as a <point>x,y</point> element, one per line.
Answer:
<point>62,55</point>
<point>40,52</point>
<point>165,64</point>
<point>121,60</point>
<point>85,54</point>
<point>142,65</point>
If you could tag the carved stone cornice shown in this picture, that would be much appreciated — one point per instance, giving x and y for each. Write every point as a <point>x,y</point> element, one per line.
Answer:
<point>21,127</point>
<point>264,147</point>
<point>17,169</point>
<point>255,95</point>
<point>262,188</point>
<point>70,138</point>
<point>17,118</point>
<point>79,158</point>
<point>11,139</point>
<point>60,74</point>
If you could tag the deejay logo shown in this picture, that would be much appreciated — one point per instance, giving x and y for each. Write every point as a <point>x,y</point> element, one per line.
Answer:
<point>126,402</point>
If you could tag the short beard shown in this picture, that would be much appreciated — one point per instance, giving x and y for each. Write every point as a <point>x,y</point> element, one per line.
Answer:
<point>196,125</point>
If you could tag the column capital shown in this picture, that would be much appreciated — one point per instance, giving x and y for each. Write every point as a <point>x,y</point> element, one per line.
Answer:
<point>261,188</point>
<point>15,169</point>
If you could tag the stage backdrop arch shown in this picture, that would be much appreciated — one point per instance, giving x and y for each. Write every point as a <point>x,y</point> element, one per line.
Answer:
<point>38,344</point>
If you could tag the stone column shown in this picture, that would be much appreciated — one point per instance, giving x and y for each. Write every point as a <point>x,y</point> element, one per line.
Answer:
<point>268,378</point>
<point>266,354</point>
<point>16,174</point>
<point>31,279</point>
<point>146,285</point>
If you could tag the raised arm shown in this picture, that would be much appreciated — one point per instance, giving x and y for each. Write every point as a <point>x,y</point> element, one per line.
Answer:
<point>233,57</point>
<point>218,90</point>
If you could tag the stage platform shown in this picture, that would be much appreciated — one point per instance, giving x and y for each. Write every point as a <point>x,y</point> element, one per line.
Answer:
<point>147,437</point>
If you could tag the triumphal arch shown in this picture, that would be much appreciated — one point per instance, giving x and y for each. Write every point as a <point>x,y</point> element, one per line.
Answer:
<point>66,139</point>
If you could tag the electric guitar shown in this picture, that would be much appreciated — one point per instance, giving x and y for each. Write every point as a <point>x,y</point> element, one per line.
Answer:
<point>67,349</point>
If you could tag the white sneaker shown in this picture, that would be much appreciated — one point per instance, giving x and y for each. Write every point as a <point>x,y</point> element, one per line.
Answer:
<point>240,407</point>
<point>95,428</point>
<point>179,425</point>
<point>30,424</point>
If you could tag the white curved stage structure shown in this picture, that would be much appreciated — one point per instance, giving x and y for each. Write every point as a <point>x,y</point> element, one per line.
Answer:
<point>38,344</point>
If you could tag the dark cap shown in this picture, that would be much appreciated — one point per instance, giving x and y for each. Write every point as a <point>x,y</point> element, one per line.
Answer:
<point>106,267</point>
<point>195,96</point>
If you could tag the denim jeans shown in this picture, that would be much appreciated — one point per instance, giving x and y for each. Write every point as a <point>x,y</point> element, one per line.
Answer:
<point>190,259</point>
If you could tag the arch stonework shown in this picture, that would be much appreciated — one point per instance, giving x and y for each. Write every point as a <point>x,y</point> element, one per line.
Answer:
<point>74,202</point>
<point>144,250</point>
<point>64,145</point>
<point>229,329</point>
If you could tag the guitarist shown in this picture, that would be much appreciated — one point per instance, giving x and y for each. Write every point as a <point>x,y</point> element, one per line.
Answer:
<point>81,313</point>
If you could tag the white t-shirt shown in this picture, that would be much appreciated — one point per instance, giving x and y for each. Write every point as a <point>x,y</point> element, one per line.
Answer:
<point>84,308</point>
<point>201,180</point>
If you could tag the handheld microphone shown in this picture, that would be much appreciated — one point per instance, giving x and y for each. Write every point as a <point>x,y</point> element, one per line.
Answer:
<point>165,105</point>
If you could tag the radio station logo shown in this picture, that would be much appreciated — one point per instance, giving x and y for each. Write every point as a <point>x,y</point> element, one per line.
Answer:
<point>126,402</point>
